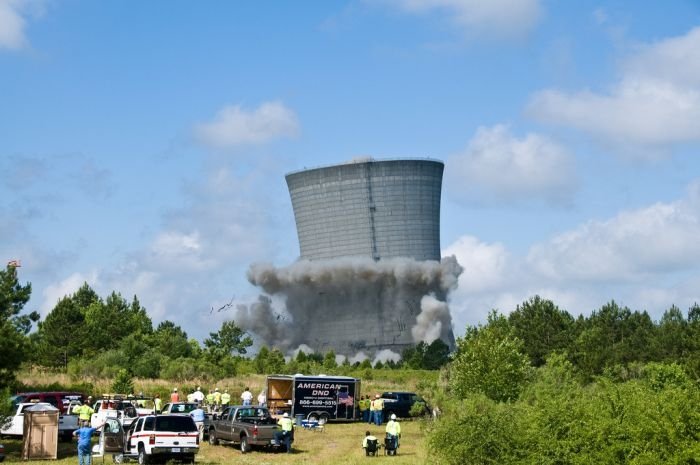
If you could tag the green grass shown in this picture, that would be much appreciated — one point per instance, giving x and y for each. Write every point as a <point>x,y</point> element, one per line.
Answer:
<point>337,444</point>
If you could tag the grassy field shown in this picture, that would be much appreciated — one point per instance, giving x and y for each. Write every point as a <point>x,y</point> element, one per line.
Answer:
<point>337,444</point>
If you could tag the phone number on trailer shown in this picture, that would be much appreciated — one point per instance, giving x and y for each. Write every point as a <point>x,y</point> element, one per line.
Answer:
<point>317,402</point>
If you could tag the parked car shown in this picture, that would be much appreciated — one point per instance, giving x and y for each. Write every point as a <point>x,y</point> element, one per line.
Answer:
<point>178,408</point>
<point>400,403</point>
<point>59,399</point>
<point>2,452</point>
<point>151,438</point>
<point>119,408</point>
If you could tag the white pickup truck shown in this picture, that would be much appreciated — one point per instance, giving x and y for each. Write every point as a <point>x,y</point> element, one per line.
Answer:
<point>121,409</point>
<point>151,438</point>
<point>66,423</point>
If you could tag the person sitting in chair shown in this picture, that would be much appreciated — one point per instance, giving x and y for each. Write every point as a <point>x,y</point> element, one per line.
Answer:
<point>369,444</point>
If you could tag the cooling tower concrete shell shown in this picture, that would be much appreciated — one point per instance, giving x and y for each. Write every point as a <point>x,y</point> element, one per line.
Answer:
<point>370,272</point>
<point>378,209</point>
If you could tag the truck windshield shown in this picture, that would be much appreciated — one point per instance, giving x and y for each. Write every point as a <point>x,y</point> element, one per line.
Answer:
<point>175,423</point>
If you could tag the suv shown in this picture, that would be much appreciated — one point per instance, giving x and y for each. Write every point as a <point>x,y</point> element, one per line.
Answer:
<point>400,403</point>
<point>152,438</point>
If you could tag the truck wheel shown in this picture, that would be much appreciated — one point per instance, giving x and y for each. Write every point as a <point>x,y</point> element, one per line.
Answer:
<point>143,458</point>
<point>245,446</point>
<point>213,440</point>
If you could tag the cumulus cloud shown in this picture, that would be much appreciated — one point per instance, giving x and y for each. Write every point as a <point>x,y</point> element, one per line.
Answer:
<point>501,18</point>
<point>234,126</point>
<point>12,24</point>
<point>56,291</point>
<point>655,102</point>
<point>498,167</point>
<point>657,239</point>
<point>646,259</point>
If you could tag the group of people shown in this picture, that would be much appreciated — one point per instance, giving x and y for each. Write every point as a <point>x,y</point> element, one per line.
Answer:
<point>372,410</point>
<point>215,399</point>
<point>393,433</point>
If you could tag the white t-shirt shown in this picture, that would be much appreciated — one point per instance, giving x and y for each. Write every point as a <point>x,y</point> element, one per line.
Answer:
<point>247,396</point>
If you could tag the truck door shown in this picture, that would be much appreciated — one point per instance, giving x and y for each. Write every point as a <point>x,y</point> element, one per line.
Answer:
<point>112,437</point>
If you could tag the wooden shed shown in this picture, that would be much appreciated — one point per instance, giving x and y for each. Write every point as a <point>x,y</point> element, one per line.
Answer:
<point>40,432</point>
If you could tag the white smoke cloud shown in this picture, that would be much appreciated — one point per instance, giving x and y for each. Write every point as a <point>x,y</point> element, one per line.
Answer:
<point>385,355</point>
<point>340,304</point>
<point>358,358</point>
<point>434,316</point>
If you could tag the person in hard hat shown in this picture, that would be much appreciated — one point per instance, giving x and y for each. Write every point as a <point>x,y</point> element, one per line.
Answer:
<point>174,396</point>
<point>190,396</point>
<point>370,413</point>
<point>247,397</point>
<point>262,398</point>
<point>210,399</point>
<point>199,395</point>
<point>393,430</point>
<point>225,398</point>
<point>217,399</point>
<point>363,405</point>
<point>378,403</point>
<point>84,412</point>
<point>285,435</point>
<point>157,403</point>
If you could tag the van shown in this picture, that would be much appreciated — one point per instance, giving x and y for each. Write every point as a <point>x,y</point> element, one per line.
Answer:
<point>62,400</point>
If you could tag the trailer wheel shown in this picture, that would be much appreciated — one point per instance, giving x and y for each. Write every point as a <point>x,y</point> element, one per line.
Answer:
<point>313,416</point>
<point>323,419</point>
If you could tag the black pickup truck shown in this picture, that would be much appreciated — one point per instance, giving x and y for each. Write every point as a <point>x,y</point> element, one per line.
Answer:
<point>400,403</point>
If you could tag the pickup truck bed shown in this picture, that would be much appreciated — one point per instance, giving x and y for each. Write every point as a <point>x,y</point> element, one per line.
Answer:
<point>246,425</point>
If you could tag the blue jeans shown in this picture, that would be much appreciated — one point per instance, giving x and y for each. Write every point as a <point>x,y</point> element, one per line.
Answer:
<point>365,416</point>
<point>84,456</point>
<point>378,417</point>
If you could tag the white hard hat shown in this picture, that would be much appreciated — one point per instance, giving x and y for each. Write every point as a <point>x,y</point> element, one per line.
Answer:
<point>175,389</point>
<point>285,414</point>
<point>393,416</point>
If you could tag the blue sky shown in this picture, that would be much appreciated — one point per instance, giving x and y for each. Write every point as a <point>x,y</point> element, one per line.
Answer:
<point>143,145</point>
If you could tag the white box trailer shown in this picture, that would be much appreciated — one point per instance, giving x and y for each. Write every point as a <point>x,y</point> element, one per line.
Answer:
<point>322,398</point>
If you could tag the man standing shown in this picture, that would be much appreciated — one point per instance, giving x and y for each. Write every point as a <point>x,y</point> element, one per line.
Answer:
<point>84,412</point>
<point>285,436</point>
<point>262,398</point>
<point>217,399</point>
<point>84,435</point>
<point>198,417</point>
<point>364,408</point>
<point>370,414</point>
<point>174,396</point>
<point>199,395</point>
<point>247,397</point>
<point>225,399</point>
<point>378,410</point>
<point>393,430</point>
<point>157,403</point>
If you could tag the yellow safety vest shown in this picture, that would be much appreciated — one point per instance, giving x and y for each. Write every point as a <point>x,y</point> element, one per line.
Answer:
<point>286,423</point>
<point>393,427</point>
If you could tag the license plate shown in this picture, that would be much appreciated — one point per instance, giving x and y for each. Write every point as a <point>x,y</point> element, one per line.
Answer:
<point>176,449</point>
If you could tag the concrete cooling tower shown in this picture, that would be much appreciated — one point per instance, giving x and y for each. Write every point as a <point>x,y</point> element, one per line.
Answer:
<point>370,277</point>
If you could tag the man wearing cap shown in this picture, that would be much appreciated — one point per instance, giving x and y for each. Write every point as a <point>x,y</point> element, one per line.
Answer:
<point>84,412</point>
<point>378,404</point>
<point>199,395</point>
<point>174,396</point>
<point>225,398</point>
<point>217,399</point>
<point>285,435</point>
<point>393,430</point>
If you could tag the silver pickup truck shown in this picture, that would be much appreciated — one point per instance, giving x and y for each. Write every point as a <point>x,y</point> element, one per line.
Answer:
<point>247,425</point>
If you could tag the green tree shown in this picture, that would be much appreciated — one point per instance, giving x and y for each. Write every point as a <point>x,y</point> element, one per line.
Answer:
<point>490,360</point>
<point>329,362</point>
<point>542,327</point>
<point>13,326</point>
<point>60,335</point>
<point>123,383</point>
<point>171,340</point>
<point>228,340</point>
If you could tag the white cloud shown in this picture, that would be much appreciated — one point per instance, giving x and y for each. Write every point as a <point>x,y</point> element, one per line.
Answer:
<point>502,18</point>
<point>500,168</point>
<point>657,239</point>
<point>12,25</point>
<point>646,259</point>
<point>656,101</point>
<point>68,286</point>
<point>234,126</point>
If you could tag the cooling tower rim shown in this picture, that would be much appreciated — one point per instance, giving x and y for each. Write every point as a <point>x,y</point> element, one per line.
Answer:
<point>357,161</point>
